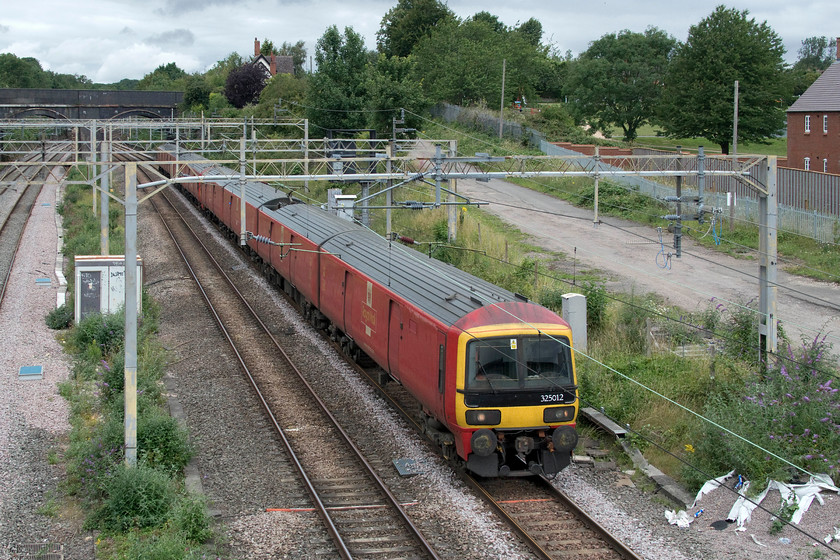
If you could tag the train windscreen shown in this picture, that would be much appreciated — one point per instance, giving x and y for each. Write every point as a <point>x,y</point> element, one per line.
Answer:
<point>514,363</point>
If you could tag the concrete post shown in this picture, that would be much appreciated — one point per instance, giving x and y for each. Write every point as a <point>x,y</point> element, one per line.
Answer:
<point>131,314</point>
<point>574,312</point>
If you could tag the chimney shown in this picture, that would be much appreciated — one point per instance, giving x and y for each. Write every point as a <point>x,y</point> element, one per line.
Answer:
<point>256,47</point>
<point>273,69</point>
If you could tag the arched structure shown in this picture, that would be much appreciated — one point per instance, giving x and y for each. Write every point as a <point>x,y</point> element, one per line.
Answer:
<point>80,104</point>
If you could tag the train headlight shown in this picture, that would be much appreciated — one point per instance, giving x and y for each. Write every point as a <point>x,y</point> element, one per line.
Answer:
<point>483,442</point>
<point>484,417</point>
<point>555,414</point>
<point>565,439</point>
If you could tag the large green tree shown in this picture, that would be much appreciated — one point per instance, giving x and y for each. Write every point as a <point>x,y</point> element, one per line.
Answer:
<point>698,98</point>
<point>337,96</point>
<point>166,77</point>
<point>461,62</point>
<point>407,22</point>
<point>617,81</point>
<point>27,73</point>
<point>391,84</point>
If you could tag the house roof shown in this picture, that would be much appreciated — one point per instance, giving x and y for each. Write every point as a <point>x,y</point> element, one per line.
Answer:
<point>823,95</point>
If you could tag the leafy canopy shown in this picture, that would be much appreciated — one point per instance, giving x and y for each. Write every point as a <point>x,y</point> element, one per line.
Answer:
<point>407,22</point>
<point>166,77</point>
<point>617,81</point>
<point>699,86</point>
<point>337,88</point>
<point>461,62</point>
<point>244,84</point>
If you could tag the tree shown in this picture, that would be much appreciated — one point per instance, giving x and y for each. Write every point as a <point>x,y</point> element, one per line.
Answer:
<point>337,94</point>
<point>244,84</point>
<point>617,81</point>
<point>407,22</point>
<point>21,72</point>
<point>217,75</point>
<point>816,53</point>
<point>166,77</point>
<point>532,30</point>
<point>298,54</point>
<point>197,93</point>
<point>461,62</point>
<point>290,91</point>
<point>699,87</point>
<point>267,48</point>
<point>390,83</point>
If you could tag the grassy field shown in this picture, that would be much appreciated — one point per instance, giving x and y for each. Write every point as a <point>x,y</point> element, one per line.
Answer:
<point>652,137</point>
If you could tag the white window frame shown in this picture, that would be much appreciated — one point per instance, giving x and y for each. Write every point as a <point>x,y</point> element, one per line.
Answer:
<point>825,165</point>
<point>807,164</point>
<point>807,124</point>
<point>825,124</point>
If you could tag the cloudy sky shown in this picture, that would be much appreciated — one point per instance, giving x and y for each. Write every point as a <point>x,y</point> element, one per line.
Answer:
<point>107,40</point>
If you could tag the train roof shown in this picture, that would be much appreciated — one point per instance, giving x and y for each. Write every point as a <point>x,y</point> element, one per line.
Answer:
<point>441,290</point>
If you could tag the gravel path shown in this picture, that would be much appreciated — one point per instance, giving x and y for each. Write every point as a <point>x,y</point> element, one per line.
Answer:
<point>33,417</point>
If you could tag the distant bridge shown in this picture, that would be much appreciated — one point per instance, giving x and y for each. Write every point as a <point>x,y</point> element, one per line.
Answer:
<point>82,104</point>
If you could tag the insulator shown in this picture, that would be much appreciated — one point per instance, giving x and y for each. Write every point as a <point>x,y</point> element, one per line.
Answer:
<point>407,240</point>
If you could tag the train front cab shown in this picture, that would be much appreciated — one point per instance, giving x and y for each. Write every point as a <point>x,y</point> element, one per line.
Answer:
<point>516,399</point>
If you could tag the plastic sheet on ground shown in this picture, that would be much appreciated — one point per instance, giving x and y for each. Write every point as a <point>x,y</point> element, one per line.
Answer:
<point>802,495</point>
<point>678,518</point>
<point>711,485</point>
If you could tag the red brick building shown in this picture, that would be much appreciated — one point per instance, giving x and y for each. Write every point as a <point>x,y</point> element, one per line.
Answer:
<point>813,125</point>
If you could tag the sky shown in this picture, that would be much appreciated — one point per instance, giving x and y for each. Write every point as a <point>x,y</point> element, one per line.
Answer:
<point>108,40</point>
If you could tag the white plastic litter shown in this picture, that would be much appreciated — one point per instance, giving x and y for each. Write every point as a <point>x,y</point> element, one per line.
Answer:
<point>801,494</point>
<point>678,518</point>
<point>711,485</point>
<point>834,537</point>
<point>743,507</point>
<point>755,540</point>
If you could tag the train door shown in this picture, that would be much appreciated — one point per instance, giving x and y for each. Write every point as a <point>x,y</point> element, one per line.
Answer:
<point>394,339</point>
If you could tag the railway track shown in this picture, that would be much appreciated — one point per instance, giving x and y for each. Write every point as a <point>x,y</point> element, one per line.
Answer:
<point>358,511</point>
<point>18,192</point>
<point>545,519</point>
<point>552,524</point>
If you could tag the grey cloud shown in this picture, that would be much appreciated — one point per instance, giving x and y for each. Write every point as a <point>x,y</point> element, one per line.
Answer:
<point>179,7</point>
<point>174,38</point>
<point>4,28</point>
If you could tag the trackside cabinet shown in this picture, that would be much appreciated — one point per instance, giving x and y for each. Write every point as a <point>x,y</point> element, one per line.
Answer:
<point>100,284</point>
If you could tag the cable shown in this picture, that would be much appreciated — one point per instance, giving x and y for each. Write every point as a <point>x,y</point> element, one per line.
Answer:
<point>665,257</point>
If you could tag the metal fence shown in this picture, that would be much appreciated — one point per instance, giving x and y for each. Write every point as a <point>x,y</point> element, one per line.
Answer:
<point>809,202</point>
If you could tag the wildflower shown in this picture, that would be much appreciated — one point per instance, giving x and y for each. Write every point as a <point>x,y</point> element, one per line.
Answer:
<point>689,448</point>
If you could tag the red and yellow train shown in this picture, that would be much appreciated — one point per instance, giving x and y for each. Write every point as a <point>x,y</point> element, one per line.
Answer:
<point>494,374</point>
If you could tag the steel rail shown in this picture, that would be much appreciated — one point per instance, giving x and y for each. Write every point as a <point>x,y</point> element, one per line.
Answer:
<point>322,509</point>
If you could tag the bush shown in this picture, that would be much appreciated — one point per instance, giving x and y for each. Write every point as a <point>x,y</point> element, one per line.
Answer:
<point>162,443</point>
<point>60,318</point>
<point>137,497</point>
<point>596,304</point>
<point>190,519</point>
<point>162,546</point>
<point>103,331</point>
<point>790,411</point>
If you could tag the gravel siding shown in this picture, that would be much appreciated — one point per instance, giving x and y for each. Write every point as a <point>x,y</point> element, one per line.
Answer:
<point>33,416</point>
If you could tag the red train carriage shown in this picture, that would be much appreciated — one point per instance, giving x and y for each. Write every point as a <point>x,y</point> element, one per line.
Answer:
<point>493,373</point>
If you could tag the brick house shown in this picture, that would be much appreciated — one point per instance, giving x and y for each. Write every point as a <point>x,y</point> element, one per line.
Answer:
<point>274,64</point>
<point>813,124</point>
